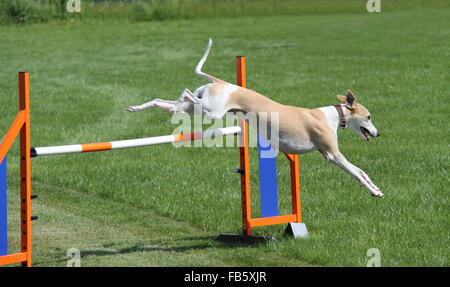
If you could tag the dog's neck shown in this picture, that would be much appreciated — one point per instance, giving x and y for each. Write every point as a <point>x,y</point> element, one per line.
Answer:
<point>333,117</point>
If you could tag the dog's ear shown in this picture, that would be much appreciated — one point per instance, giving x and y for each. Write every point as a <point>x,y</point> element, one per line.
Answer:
<point>341,98</point>
<point>350,100</point>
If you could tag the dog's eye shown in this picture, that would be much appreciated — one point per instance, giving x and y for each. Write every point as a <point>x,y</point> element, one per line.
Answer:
<point>369,118</point>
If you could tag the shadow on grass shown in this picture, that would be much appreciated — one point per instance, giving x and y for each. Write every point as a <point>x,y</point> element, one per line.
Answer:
<point>179,245</point>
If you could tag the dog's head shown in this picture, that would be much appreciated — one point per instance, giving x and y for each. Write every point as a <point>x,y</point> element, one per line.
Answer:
<point>359,118</point>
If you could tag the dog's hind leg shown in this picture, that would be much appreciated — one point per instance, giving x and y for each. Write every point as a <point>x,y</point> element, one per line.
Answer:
<point>184,104</point>
<point>189,96</point>
<point>157,103</point>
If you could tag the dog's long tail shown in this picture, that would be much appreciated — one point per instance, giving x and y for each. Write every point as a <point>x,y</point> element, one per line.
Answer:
<point>198,69</point>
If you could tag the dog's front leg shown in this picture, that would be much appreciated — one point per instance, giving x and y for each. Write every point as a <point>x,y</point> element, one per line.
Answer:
<point>359,175</point>
<point>366,177</point>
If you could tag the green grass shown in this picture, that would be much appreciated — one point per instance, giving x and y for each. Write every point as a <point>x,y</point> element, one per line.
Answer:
<point>32,11</point>
<point>161,206</point>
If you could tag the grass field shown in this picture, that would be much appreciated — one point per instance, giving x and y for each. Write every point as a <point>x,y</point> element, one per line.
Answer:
<point>162,206</point>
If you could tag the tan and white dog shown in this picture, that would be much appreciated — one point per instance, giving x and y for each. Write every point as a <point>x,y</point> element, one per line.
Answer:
<point>300,130</point>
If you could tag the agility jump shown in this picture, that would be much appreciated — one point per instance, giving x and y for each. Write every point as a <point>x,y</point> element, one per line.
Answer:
<point>21,124</point>
<point>102,146</point>
<point>267,172</point>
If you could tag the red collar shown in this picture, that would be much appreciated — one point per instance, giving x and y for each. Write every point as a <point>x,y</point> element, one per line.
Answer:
<point>343,122</point>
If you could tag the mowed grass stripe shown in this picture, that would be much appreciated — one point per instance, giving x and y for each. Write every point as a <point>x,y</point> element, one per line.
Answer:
<point>109,233</point>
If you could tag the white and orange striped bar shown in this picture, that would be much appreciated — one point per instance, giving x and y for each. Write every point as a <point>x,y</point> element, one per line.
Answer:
<point>79,148</point>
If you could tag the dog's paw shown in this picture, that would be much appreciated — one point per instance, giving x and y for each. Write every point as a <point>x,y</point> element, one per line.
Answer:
<point>132,109</point>
<point>377,193</point>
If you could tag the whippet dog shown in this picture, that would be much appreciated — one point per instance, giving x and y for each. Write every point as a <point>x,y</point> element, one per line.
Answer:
<point>300,130</point>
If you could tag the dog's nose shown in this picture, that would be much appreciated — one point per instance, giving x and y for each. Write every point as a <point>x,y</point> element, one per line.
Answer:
<point>378,134</point>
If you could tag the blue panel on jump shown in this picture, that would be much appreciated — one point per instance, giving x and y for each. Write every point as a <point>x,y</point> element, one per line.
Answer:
<point>267,178</point>
<point>3,210</point>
